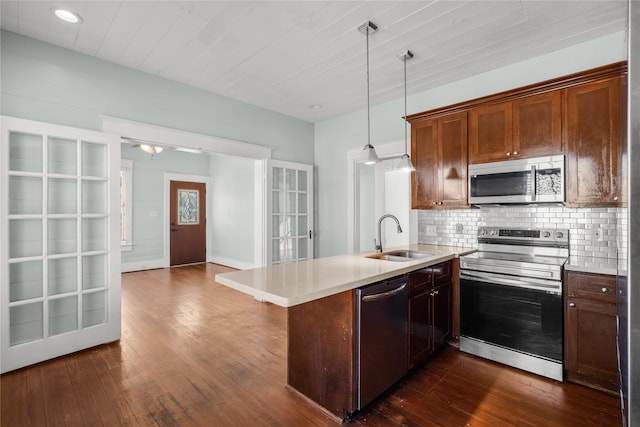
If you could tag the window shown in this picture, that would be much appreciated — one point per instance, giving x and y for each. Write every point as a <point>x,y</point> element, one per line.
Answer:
<point>126,204</point>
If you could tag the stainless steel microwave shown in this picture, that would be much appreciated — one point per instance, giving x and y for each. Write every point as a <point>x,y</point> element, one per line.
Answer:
<point>535,180</point>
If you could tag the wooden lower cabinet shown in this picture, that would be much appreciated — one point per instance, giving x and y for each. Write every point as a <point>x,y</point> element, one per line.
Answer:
<point>321,347</point>
<point>430,297</point>
<point>321,352</point>
<point>590,331</point>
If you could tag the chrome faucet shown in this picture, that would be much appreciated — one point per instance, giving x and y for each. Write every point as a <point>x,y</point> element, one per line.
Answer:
<point>378,242</point>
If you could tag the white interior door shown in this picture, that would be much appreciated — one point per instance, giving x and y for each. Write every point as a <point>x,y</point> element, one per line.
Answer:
<point>290,212</point>
<point>60,246</point>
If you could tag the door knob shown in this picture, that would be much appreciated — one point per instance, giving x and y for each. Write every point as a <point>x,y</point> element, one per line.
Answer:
<point>572,304</point>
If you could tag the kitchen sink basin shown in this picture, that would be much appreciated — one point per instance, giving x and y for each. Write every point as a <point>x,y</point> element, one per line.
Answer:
<point>400,256</point>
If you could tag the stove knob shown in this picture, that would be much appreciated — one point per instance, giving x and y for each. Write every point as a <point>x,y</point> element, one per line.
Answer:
<point>546,234</point>
<point>559,234</point>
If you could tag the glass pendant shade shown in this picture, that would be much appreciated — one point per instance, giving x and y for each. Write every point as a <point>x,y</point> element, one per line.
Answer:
<point>369,155</point>
<point>406,164</point>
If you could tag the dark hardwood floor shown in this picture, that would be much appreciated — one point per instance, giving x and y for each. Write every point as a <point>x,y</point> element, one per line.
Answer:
<point>196,353</point>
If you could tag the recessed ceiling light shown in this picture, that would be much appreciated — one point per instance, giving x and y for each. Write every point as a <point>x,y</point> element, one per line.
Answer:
<point>315,106</point>
<point>68,16</point>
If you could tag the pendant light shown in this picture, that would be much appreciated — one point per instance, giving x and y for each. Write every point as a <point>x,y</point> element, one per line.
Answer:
<point>405,160</point>
<point>368,155</point>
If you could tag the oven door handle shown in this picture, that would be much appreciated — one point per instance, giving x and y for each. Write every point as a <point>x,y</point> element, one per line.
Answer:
<point>553,288</point>
<point>506,270</point>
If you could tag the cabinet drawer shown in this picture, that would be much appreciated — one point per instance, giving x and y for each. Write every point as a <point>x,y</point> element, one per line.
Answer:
<point>599,287</point>
<point>420,281</point>
<point>441,273</point>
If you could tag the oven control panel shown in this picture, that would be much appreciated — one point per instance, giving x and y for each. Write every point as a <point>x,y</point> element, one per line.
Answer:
<point>524,234</point>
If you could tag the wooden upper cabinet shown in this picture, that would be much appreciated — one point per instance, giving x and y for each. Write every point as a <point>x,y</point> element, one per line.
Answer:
<point>537,125</point>
<point>526,127</point>
<point>490,133</point>
<point>424,153</point>
<point>594,136</point>
<point>452,151</point>
<point>439,153</point>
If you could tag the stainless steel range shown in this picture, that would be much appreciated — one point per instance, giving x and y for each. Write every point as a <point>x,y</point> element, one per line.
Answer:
<point>511,298</point>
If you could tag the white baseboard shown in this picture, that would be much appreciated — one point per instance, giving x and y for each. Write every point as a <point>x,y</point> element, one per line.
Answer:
<point>233,263</point>
<point>158,263</point>
<point>142,265</point>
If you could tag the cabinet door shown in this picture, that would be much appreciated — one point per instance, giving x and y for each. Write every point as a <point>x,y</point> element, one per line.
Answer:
<point>420,340</point>
<point>441,314</point>
<point>590,343</point>
<point>490,133</point>
<point>537,125</point>
<point>452,153</point>
<point>424,152</point>
<point>593,135</point>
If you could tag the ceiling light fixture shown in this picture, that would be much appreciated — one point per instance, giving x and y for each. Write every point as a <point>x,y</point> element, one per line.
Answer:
<point>68,16</point>
<point>368,155</point>
<point>405,160</point>
<point>151,149</point>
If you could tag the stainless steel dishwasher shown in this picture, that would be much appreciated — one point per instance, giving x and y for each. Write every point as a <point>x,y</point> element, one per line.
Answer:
<point>382,346</point>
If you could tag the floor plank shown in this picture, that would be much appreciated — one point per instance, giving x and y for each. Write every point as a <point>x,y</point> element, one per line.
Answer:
<point>196,353</point>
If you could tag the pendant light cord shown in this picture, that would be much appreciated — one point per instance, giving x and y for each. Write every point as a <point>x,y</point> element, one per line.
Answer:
<point>368,108</point>
<point>406,150</point>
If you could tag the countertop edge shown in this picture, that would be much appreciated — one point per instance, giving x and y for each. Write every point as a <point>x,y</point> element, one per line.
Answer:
<point>402,268</point>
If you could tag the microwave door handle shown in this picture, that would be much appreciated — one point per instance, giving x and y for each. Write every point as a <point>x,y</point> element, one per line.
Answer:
<point>533,183</point>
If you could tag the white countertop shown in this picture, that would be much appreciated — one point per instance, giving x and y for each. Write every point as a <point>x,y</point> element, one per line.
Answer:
<point>299,282</point>
<point>595,265</point>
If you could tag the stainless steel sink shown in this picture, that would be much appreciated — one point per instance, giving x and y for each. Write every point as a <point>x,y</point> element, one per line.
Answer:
<point>400,256</point>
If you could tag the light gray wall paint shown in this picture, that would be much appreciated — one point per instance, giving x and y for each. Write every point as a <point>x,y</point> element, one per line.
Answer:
<point>333,138</point>
<point>232,214</point>
<point>42,82</point>
<point>51,84</point>
<point>148,197</point>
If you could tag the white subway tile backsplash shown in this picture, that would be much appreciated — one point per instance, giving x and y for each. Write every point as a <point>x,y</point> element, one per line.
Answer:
<point>580,223</point>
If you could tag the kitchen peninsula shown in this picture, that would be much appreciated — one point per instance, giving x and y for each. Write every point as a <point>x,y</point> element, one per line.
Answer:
<point>320,297</point>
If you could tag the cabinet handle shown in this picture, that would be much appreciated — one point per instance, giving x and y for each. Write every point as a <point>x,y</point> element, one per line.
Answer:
<point>572,304</point>
<point>515,153</point>
<point>435,292</point>
<point>435,203</point>
<point>508,153</point>
<point>604,290</point>
<point>615,199</point>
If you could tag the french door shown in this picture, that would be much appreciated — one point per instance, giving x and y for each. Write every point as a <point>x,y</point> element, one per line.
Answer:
<point>59,244</point>
<point>290,207</point>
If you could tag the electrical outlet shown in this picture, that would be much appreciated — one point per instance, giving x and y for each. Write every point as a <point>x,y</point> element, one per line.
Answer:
<point>597,234</point>
<point>459,228</point>
<point>431,230</point>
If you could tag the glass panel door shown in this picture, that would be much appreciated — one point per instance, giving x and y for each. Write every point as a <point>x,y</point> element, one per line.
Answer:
<point>59,211</point>
<point>290,208</point>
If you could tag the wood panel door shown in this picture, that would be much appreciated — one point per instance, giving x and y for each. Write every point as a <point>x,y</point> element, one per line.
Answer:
<point>594,137</point>
<point>537,125</point>
<point>490,133</point>
<point>188,217</point>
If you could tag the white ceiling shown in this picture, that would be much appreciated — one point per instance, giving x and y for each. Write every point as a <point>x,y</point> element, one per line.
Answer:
<point>288,55</point>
